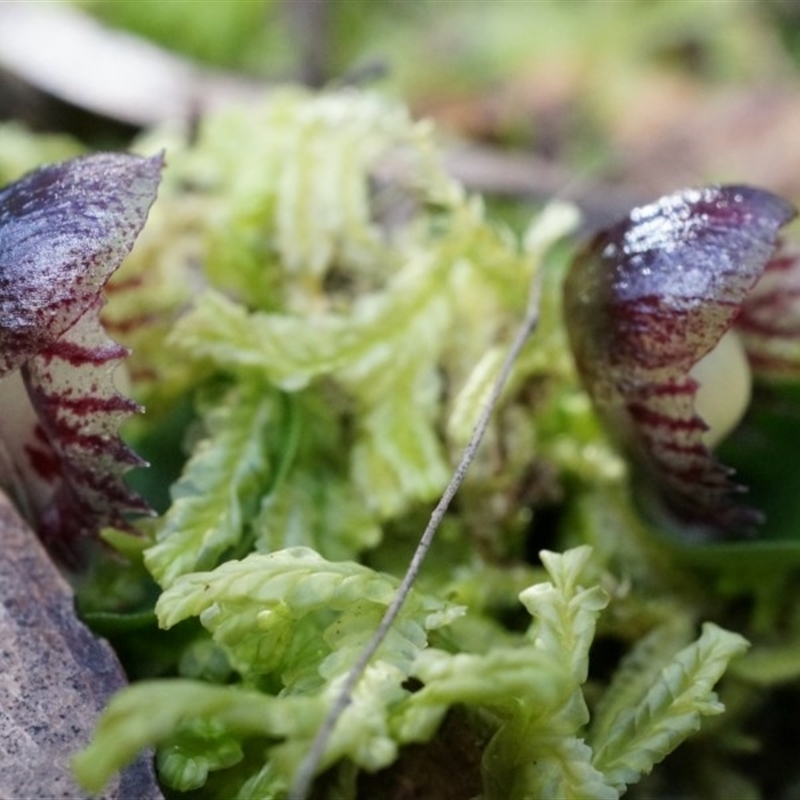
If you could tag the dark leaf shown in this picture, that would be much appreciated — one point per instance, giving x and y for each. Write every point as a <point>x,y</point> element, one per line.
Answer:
<point>644,302</point>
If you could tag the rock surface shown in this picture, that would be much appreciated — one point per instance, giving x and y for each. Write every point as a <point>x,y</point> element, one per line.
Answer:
<point>55,678</point>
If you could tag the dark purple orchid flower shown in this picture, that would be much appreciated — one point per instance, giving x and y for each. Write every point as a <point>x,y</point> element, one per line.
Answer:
<point>769,324</point>
<point>64,229</point>
<point>648,303</point>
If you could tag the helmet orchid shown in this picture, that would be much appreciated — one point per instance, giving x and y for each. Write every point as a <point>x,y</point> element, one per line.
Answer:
<point>666,311</point>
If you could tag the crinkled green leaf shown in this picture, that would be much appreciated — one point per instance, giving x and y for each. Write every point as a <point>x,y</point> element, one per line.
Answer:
<point>641,735</point>
<point>538,752</point>
<point>473,396</point>
<point>291,350</point>
<point>151,712</point>
<point>266,610</point>
<point>312,502</point>
<point>637,673</point>
<point>315,509</point>
<point>303,179</point>
<point>221,485</point>
<point>533,688</point>
<point>566,612</point>
<point>200,748</point>
<point>309,225</point>
<point>185,712</point>
<point>291,620</point>
<point>399,455</point>
<point>284,349</point>
<point>561,770</point>
<point>384,353</point>
<point>501,680</point>
<point>303,621</point>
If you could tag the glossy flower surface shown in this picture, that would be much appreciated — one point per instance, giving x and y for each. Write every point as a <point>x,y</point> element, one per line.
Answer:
<point>645,301</point>
<point>64,229</point>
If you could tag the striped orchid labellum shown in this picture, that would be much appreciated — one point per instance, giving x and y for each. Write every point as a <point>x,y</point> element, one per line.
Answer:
<point>64,229</point>
<point>651,307</point>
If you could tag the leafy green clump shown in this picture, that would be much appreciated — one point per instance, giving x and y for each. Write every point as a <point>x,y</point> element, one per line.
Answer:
<point>335,308</point>
<point>345,282</point>
<point>292,620</point>
<point>291,624</point>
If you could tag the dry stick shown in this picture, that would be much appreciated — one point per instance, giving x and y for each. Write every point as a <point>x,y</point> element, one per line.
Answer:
<point>305,773</point>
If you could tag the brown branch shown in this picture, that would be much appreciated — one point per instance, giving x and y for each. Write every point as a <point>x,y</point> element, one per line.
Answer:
<point>76,59</point>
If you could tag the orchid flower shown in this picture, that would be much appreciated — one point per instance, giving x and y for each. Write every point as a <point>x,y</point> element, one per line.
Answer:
<point>769,325</point>
<point>651,307</point>
<point>64,229</point>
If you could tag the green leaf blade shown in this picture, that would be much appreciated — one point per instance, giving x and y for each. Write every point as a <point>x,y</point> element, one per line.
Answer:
<point>227,475</point>
<point>671,710</point>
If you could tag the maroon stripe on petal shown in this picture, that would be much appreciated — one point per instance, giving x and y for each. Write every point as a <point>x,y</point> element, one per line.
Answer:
<point>644,301</point>
<point>80,412</point>
<point>646,415</point>
<point>769,324</point>
<point>64,229</point>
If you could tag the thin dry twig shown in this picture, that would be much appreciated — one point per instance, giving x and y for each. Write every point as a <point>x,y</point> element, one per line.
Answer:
<point>305,774</point>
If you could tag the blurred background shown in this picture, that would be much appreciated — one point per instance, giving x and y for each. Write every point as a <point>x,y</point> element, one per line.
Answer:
<point>598,101</point>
